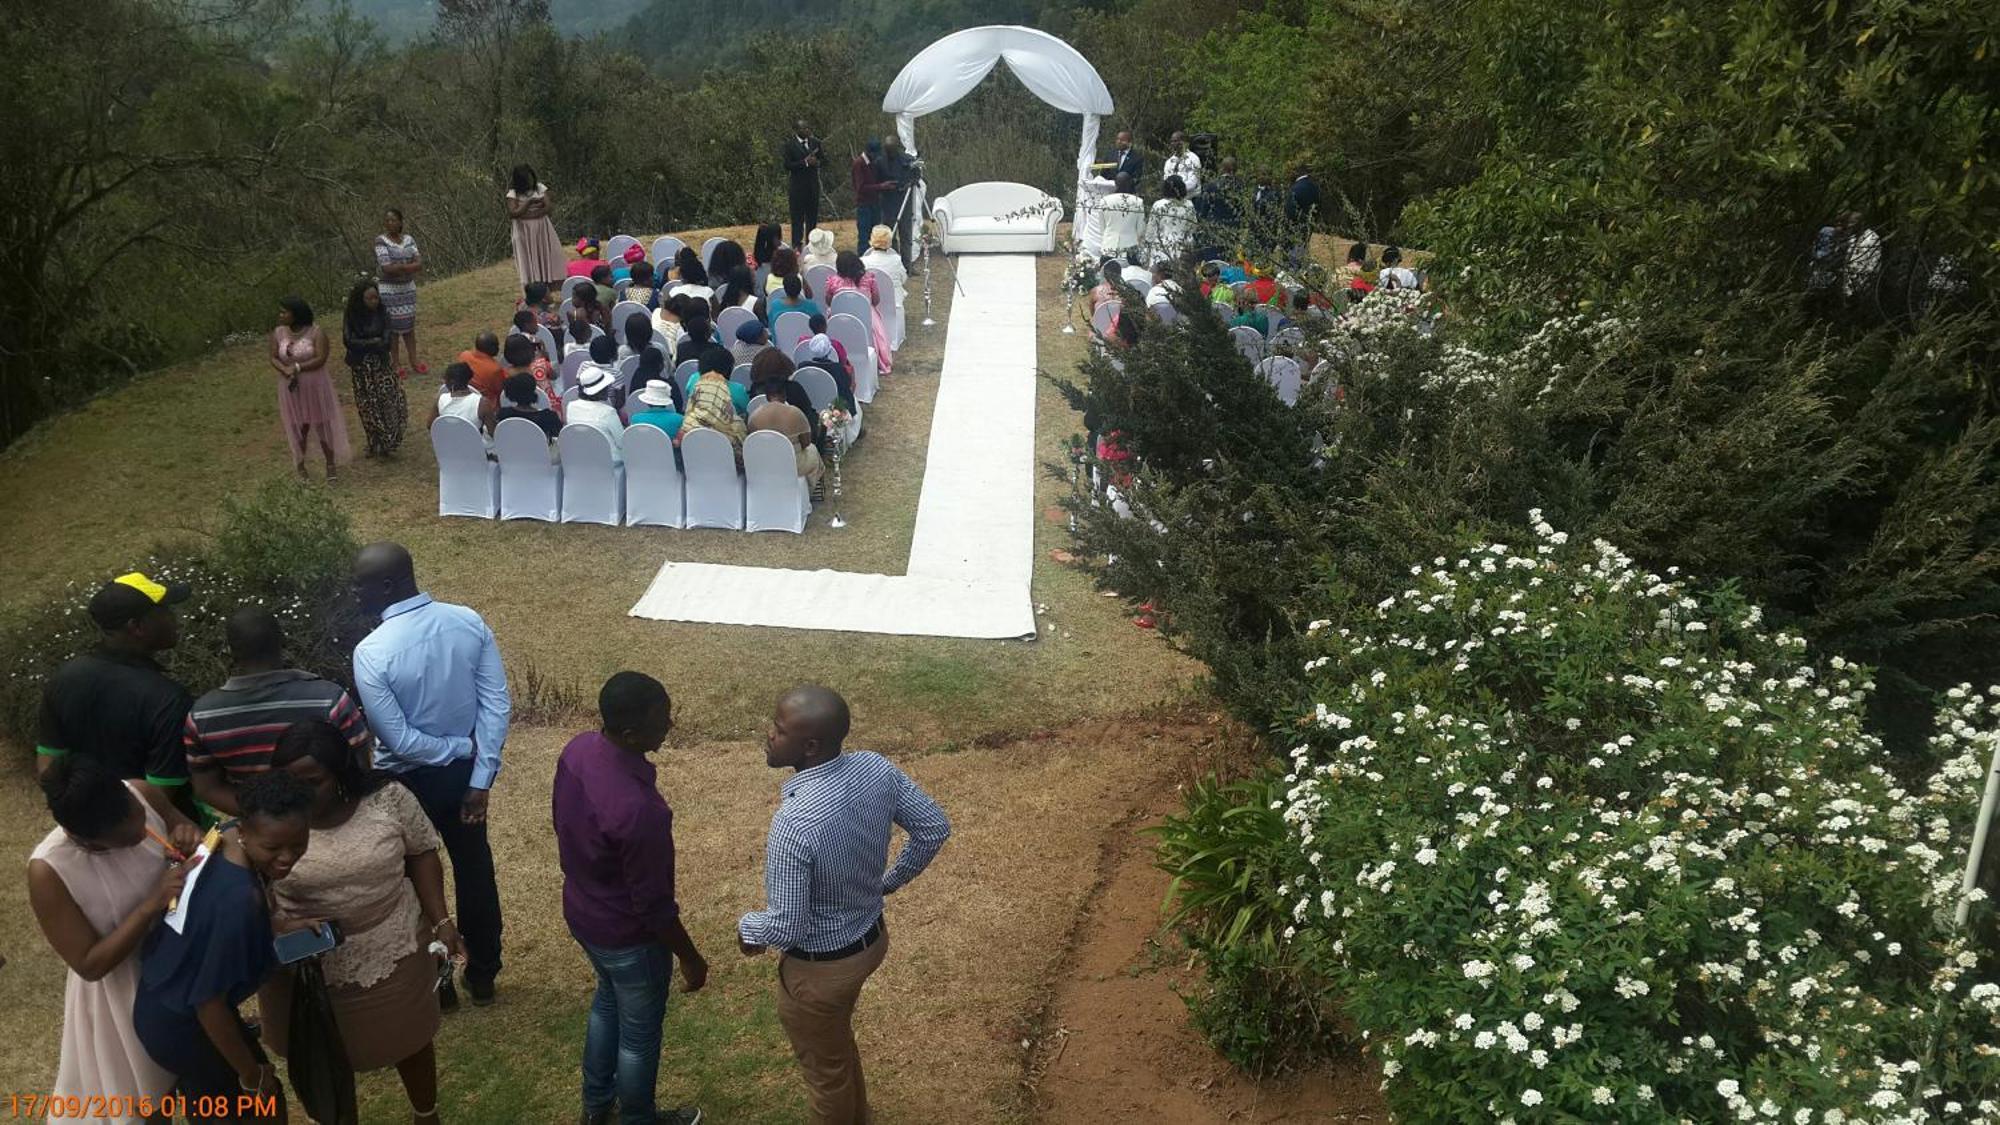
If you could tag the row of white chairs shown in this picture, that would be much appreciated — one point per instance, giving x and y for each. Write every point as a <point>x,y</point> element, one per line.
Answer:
<point>521,480</point>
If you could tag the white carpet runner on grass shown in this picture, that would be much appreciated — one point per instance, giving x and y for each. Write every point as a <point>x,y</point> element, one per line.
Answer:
<point>974,547</point>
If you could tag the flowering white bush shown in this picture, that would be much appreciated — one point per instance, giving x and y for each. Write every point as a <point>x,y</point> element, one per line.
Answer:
<point>1577,844</point>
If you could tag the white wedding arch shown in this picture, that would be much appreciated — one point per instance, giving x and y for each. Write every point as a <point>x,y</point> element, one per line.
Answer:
<point>1051,69</point>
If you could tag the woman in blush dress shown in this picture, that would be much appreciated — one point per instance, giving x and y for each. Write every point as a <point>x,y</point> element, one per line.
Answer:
<point>848,273</point>
<point>307,404</point>
<point>538,253</point>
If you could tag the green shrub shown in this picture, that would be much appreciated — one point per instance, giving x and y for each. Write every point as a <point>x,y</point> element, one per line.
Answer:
<point>287,548</point>
<point>1575,842</point>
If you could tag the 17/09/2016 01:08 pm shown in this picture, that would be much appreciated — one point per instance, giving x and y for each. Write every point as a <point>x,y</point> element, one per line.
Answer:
<point>81,1107</point>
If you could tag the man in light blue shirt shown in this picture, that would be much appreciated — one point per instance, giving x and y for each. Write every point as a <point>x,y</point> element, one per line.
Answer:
<point>435,693</point>
<point>824,881</point>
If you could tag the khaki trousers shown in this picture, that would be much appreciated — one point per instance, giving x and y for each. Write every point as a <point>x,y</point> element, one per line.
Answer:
<point>816,1006</point>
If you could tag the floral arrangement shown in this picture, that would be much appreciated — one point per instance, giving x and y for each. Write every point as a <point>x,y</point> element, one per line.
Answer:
<point>1572,842</point>
<point>835,420</point>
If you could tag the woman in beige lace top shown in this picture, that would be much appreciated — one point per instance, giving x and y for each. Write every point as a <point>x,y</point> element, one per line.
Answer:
<point>373,869</point>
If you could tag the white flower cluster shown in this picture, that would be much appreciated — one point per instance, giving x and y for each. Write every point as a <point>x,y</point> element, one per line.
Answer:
<point>1564,801</point>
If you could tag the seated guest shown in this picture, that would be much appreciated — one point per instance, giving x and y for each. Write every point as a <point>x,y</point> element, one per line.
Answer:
<point>667,318</point>
<point>819,249</point>
<point>785,265</point>
<point>459,400</point>
<point>1165,288</point>
<point>1248,314</point>
<point>638,334</point>
<point>527,356</point>
<point>1353,273</point>
<point>523,401</point>
<point>882,256</point>
<point>1211,280</point>
<point>1124,218</point>
<point>849,274</point>
<point>659,404</point>
<point>586,259</point>
<point>370,867</point>
<point>625,269</point>
<point>697,335</point>
<point>1110,280</point>
<point>693,283</point>
<point>652,365</point>
<point>710,405</point>
<point>98,885</point>
<point>580,332</point>
<point>191,981</point>
<point>833,349</point>
<point>764,248</point>
<point>538,298</point>
<point>790,297</point>
<point>751,338</point>
<point>641,290</point>
<point>823,351</point>
<point>604,355</point>
<point>1262,286</point>
<point>483,357</point>
<point>773,370</point>
<point>230,732</point>
<point>728,255</point>
<point>596,382</point>
<point>1394,274</point>
<point>683,258</point>
<point>779,414</point>
<point>607,285</point>
<point>590,301</point>
<point>739,290</point>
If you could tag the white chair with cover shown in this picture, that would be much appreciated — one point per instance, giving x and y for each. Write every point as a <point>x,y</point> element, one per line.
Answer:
<point>755,402</point>
<point>468,482</point>
<point>569,286</point>
<point>708,256</point>
<point>570,394</point>
<point>653,487</point>
<point>547,341</point>
<point>1272,316</point>
<point>685,373</point>
<point>1290,335</point>
<point>816,279</point>
<point>730,319</point>
<point>851,332</point>
<point>891,307</point>
<point>1101,317</point>
<point>1166,311</point>
<point>799,352</point>
<point>791,328</point>
<point>530,483</point>
<point>614,250</point>
<point>568,306</point>
<point>852,302</point>
<point>593,485</point>
<point>775,496</point>
<point>619,287</point>
<point>1138,277</point>
<point>1283,374</point>
<point>714,490</point>
<point>665,249</point>
<point>741,376</point>
<point>660,342</point>
<point>819,386</point>
<point>624,309</point>
<point>1249,342</point>
<point>572,361</point>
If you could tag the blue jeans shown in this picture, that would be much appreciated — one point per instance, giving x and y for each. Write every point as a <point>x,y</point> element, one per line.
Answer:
<point>865,217</point>
<point>621,1047</point>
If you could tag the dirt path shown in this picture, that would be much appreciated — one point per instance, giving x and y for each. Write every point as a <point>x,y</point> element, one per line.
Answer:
<point>1117,1045</point>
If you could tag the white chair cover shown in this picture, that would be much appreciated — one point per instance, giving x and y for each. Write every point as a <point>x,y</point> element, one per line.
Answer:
<point>653,489</point>
<point>852,333</point>
<point>891,307</point>
<point>570,394</point>
<point>665,248</point>
<point>624,309</point>
<point>593,486</point>
<point>660,342</point>
<point>853,303</point>
<point>1249,342</point>
<point>741,376</point>
<point>1100,317</point>
<point>563,310</point>
<point>816,279</point>
<point>819,386</point>
<point>619,287</point>
<point>1137,276</point>
<point>776,497</point>
<point>799,352</point>
<point>468,483</point>
<point>614,250</point>
<point>1291,334</point>
<point>714,490</point>
<point>791,328</point>
<point>730,319</point>
<point>755,402</point>
<point>572,360</point>
<point>708,257</point>
<point>685,373</point>
<point>530,484</point>
<point>1283,374</point>
<point>569,290</point>
<point>1167,313</point>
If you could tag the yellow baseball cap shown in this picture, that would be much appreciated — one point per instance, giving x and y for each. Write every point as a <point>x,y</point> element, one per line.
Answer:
<point>129,597</point>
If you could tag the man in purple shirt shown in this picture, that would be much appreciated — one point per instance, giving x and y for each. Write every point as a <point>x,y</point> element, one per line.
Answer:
<point>615,837</point>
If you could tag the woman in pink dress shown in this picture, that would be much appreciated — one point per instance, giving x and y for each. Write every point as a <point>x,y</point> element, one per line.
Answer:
<point>849,273</point>
<point>306,403</point>
<point>98,884</point>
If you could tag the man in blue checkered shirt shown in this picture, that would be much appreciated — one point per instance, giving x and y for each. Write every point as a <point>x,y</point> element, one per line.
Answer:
<point>824,882</point>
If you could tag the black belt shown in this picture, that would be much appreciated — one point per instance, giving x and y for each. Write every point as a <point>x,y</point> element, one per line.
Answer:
<point>873,935</point>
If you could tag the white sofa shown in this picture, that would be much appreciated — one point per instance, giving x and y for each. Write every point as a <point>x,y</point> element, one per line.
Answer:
<point>975,219</point>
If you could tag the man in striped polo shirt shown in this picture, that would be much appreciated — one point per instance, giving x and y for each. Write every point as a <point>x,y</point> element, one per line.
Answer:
<point>231,731</point>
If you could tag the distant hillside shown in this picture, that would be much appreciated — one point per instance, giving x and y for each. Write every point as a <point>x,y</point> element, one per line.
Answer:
<point>403,20</point>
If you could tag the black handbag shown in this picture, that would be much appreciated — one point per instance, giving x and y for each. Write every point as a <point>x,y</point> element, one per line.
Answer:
<point>317,1059</point>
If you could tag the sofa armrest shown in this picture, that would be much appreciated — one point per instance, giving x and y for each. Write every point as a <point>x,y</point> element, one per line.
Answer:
<point>941,212</point>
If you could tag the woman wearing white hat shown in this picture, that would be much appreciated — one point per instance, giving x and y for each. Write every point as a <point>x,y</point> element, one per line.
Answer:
<point>657,408</point>
<point>595,382</point>
<point>819,249</point>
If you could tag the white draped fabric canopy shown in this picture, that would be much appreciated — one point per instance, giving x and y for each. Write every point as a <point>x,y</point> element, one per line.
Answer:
<point>1051,69</point>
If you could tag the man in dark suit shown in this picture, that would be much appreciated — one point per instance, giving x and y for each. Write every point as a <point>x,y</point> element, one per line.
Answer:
<point>802,160</point>
<point>1301,211</point>
<point>1129,161</point>
<point>900,175</point>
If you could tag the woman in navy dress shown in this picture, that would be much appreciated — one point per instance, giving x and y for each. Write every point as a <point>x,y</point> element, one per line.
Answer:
<point>191,982</point>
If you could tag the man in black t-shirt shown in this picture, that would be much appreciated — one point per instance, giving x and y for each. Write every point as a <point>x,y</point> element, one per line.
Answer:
<point>114,703</point>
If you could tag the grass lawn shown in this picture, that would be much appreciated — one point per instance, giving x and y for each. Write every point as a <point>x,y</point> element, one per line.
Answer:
<point>1028,744</point>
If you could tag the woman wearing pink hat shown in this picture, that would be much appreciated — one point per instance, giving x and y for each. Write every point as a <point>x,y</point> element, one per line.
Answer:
<point>538,254</point>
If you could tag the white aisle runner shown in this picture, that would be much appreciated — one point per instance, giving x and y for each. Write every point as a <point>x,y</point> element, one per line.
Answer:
<point>974,547</point>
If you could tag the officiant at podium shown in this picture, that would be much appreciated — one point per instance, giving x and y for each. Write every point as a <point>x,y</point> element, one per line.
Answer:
<point>803,156</point>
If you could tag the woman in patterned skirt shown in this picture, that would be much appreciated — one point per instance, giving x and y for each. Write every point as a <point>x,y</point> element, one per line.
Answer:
<point>378,394</point>
<point>399,263</point>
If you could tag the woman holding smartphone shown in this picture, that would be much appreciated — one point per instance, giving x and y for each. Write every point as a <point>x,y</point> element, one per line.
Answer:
<point>374,872</point>
<point>192,980</point>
